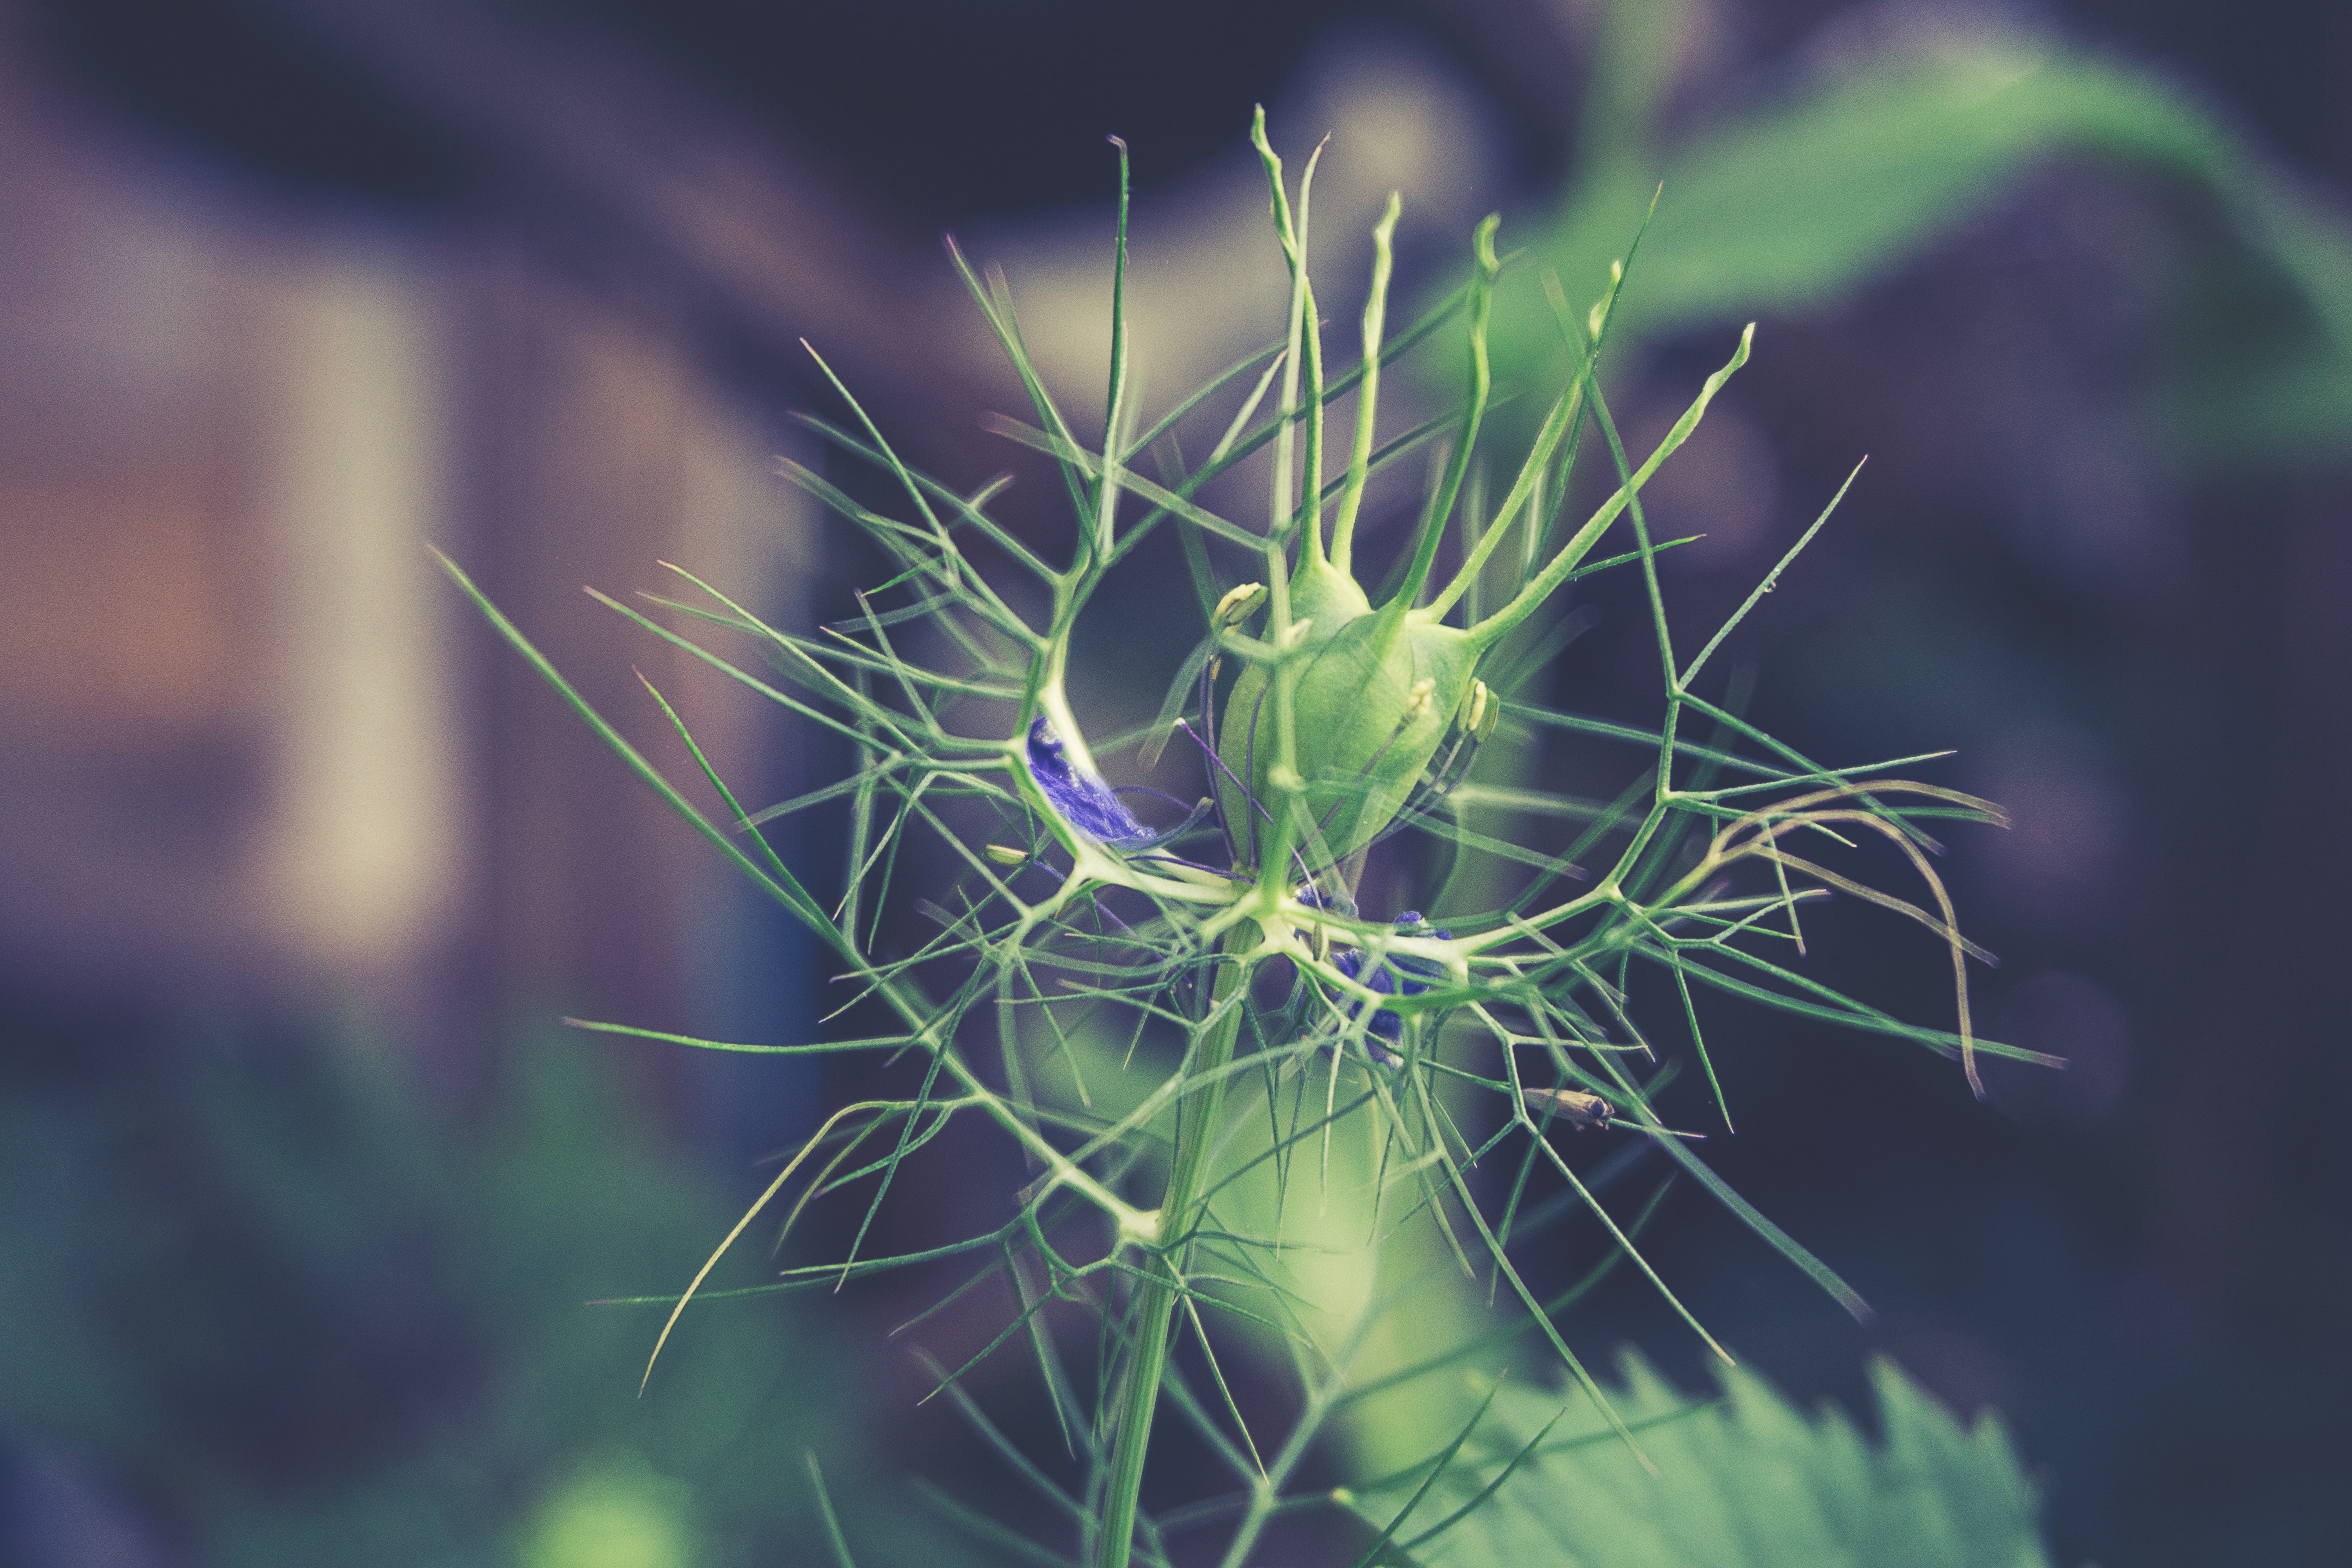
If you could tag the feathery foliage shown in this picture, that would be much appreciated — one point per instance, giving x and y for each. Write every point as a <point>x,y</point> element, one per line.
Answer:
<point>1270,1136</point>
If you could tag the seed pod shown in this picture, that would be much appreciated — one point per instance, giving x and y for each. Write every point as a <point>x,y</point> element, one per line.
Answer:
<point>1376,697</point>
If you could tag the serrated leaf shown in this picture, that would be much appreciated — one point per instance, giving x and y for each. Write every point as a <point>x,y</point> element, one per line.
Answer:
<point>1748,1481</point>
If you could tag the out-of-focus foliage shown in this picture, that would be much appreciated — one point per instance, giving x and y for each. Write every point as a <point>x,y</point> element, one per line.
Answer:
<point>1883,149</point>
<point>295,1318</point>
<point>1744,1482</point>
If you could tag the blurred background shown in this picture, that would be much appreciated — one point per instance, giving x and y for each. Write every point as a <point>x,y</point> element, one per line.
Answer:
<point>304,1184</point>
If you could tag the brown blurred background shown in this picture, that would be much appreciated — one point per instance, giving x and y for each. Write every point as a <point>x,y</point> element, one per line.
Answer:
<point>297,867</point>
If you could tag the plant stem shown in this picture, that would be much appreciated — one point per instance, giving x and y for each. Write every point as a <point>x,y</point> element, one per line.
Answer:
<point>1465,441</point>
<point>1541,586</point>
<point>1376,316</point>
<point>1156,1298</point>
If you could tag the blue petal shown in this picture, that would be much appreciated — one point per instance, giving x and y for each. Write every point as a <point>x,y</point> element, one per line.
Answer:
<point>1403,975</point>
<point>1085,802</point>
<point>1337,900</point>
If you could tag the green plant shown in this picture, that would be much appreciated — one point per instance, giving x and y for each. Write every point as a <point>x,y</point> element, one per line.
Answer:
<point>270,1296</point>
<point>1263,1129</point>
<point>1740,1482</point>
<point>1803,196</point>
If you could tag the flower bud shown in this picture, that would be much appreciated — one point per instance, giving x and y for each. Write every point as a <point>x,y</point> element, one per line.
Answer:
<point>1374,701</point>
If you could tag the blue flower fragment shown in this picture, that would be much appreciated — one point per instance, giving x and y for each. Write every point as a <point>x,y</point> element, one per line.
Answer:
<point>1402,975</point>
<point>1084,801</point>
<point>1337,900</point>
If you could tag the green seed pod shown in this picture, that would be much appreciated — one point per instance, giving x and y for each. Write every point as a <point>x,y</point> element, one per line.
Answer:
<point>1376,697</point>
<point>1378,691</point>
<point>1326,595</point>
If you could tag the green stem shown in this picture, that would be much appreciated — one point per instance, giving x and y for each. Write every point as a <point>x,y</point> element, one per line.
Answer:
<point>1482,382</point>
<point>1115,404</point>
<point>1156,1298</point>
<point>1359,464</point>
<point>1529,598</point>
<point>1523,490</point>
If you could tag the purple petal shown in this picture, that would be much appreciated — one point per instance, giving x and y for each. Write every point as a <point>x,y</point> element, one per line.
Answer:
<point>1084,801</point>
<point>1402,975</point>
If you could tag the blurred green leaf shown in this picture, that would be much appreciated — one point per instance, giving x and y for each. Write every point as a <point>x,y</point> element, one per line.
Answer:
<point>1793,205</point>
<point>1743,1482</point>
<point>269,1294</point>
